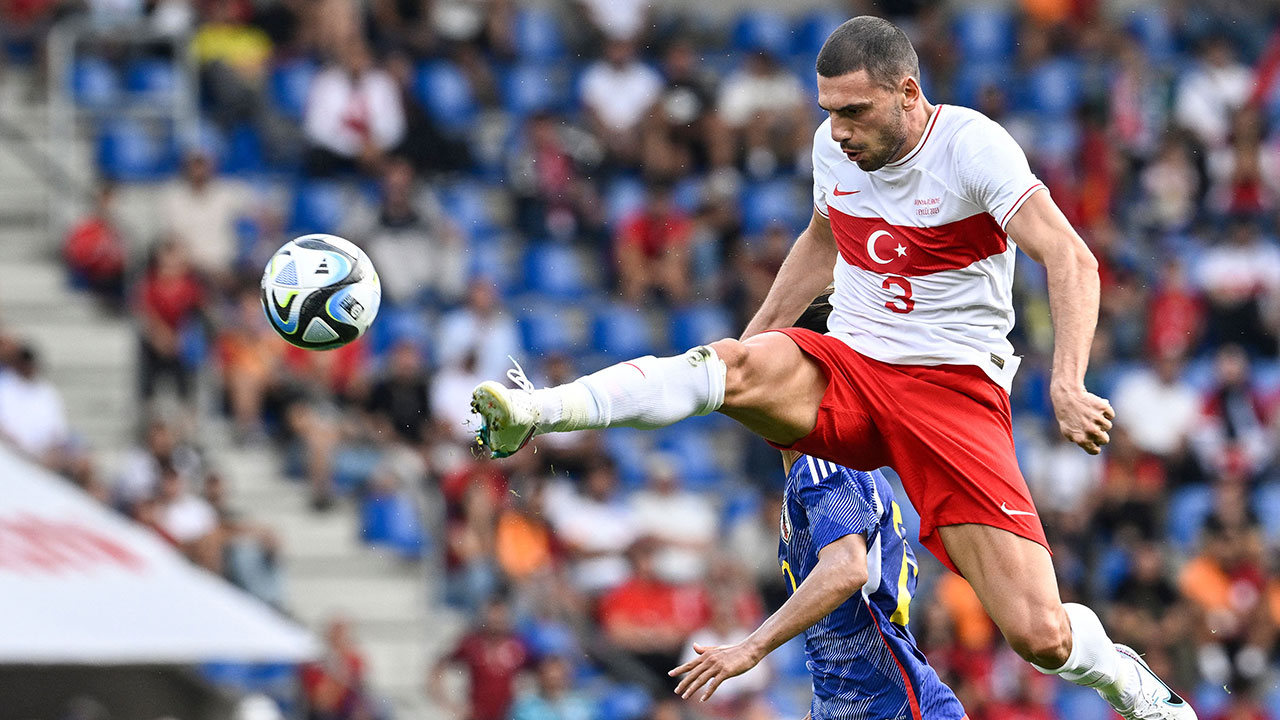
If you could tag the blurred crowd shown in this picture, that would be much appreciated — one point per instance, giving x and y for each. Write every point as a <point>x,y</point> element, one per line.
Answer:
<point>581,181</point>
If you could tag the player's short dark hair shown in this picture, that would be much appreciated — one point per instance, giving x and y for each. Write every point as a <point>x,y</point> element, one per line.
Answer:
<point>815,316</point>
<point>872,44</point>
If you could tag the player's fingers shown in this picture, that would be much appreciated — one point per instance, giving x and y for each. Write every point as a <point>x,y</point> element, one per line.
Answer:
<point>1101,438</point>
<point>682,669</point>
<point>695,680</point>
<point>1089,447</point>
<point>687,680</point>
<point>711,688</point>
<point>1107,411</point>
<point>1104,422</point>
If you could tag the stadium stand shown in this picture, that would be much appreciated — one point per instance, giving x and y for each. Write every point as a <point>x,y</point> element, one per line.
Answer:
<point>1157,131</point>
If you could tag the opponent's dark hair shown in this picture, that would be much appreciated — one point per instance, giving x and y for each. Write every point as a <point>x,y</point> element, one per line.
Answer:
<point>872,44</point>
<point>815,316</point>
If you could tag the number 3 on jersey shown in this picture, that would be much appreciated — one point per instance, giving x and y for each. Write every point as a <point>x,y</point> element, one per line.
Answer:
<point>899,285</point>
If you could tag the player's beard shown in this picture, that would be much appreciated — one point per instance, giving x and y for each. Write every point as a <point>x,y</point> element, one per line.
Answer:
<point>890,139</point>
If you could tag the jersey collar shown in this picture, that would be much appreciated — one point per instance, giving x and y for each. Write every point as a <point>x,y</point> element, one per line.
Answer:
<point>924,137</point>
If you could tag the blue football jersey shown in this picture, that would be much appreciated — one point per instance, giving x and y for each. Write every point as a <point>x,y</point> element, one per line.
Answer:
<point>864,661</point>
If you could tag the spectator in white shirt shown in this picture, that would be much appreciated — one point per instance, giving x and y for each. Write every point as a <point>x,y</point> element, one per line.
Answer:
<point>595,527</point>
<point>354,116</point>
<point>765,107</point>
<point>619,93</point>
<point>684,523</point>
<point>200,211</point>
<point>188,520</point>
<point>481,327</point>
<point>1211,92</point>
<point>32,415</point>
<point>1157,407</point>
<point>1240,277</point>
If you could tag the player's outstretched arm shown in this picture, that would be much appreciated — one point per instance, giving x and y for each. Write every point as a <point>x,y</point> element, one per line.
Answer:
<point>841,571</point>
<point>805,273</point>
<point>1044,233</point>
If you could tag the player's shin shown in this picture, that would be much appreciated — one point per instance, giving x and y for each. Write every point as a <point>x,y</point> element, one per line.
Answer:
<point>646,393</point>
<point>1094,661</point>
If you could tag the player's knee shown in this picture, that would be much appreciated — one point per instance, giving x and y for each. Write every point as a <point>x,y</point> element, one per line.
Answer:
<point>735,355</point>
<point>1044,639</point>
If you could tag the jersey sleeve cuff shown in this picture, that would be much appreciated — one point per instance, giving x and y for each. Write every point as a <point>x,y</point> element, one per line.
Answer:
<point>820,211</point>
<point>1022,199</point>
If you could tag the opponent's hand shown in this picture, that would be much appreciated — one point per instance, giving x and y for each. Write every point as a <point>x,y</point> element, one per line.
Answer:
<point>1083,418</point>
<point>713,666</point>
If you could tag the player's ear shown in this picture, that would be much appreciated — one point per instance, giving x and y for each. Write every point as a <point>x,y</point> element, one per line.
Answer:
<point>910,93</point>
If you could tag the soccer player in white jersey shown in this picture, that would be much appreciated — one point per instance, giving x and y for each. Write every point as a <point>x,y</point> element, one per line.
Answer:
<point>918,212</point>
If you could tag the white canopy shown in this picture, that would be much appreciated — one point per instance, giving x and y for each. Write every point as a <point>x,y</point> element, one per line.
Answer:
<point>81,585</point>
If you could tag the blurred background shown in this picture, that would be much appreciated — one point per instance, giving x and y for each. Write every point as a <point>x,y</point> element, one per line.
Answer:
<point>265,532</point>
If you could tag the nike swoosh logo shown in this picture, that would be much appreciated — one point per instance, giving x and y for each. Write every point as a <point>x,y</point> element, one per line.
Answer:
<point>1007,511</point>
<point>839,193</point>
<point>288,322</point>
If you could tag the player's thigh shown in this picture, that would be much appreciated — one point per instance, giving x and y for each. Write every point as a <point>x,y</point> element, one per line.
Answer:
<point>771,387</point>
<point>1015,580</point>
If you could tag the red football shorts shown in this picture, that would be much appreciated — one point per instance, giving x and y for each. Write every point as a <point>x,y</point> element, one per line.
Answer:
<point>945,429</point>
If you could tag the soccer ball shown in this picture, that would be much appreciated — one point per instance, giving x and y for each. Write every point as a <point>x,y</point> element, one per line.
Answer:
<point>320,292</point>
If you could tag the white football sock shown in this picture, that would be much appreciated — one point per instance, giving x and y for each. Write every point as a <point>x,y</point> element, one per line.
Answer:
<point>1094,661</point>
<point>645,393</point>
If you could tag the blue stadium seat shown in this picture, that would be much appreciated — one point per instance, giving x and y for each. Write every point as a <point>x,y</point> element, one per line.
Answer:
<point>152,80</point>
<point>318,207</point>
<point>446,92</point>
<point>1053,88</point>
<point>694,454</point>
<point>624,196</point>
<point>488,261</point>
<point>94,83</point>
<point>555,271</point>
<point>130,151</point>
<point>767,30</point>
<point>467,205</point>
<point>243,151</point>
<point>1189,507</point>
<point>972,78</point>
<point>697,325</point>
<point>628,448</point>
<point>545,329</point>
<point>392,521</point>
<point>1080,703</point>
<point>773,201</point>
<point>537,35</point>
<point>1150,24</point>
<point>984,32</point>
<point>289,86</point>
<point>1110,570</point>
<point>812,30</point>
<point>624,702</point>
<point>533,87</point>
<point>1266,505</point>
<point>396,325</point>
<point>621,332</point>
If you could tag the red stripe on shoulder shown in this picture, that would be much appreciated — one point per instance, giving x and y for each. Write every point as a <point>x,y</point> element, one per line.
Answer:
<point>875,245</point>
<point>1018,203</point>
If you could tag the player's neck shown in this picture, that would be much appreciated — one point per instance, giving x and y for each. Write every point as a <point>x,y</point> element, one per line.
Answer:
<point>917,123</point>
<point>788,459</point>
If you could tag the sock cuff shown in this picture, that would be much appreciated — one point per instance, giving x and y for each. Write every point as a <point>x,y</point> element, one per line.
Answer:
<point>1093,658</point>
<point>717,372</point>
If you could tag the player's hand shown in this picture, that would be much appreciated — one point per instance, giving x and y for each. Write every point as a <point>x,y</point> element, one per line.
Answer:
<point>1083,418</point>
<point>714,665</point>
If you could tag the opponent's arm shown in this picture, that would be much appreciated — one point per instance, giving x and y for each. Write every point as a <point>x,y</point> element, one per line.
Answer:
<point>1044,234</point>
<point>841,571</point>
<point>805,273</point>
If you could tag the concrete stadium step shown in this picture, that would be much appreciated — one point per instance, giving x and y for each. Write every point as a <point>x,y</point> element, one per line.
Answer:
<point>381,599</point>
<point>26,242</point>
<point>399,664</point>
<point>78,345</point>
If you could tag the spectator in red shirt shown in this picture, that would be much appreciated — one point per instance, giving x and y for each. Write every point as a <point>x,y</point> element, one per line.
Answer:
<point>650,619</point>
<point>333,686</point>
<point>169,298</point>
<point>95,251</point>
<point>1175,316</point>
<point>491,655</point>
<point>651,250</point>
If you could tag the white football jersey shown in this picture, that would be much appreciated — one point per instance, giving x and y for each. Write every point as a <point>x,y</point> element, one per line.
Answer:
<point>924,274</point>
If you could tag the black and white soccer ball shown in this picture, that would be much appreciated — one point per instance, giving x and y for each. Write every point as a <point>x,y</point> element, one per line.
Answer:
<point>320,292</point>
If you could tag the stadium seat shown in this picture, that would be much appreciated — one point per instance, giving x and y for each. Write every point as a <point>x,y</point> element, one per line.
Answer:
<point>131,151</point>
<point>812,30</point>
<point>697,325</point>
<point>289,86</point>
<point>545,328</point>
<point>243,151</point>
<point>763,30</point>
<point>467,205</point>
<point>533,87</point>
<point>555,272</point>
<point>1080,703</point>
<point>446,92</point>
<point>537,35</point>
<point>973,77</point>
<point>318,207</point>
<point>773,201</point>
<point>620,332</point>
<point>624,196</point>
<point>397,325</point>
<point>392,521</point>
<point>629,449</point>
<point>1189,507</point>
<point>984,32</point>
<point>1150,25</point>
<point>1053,88</point>
<point>1266,505</point>
<point>152,81</point>
<point>94,83</point>
<point>624,702</point>
<point>694,455</point>
<point>1110,570</point>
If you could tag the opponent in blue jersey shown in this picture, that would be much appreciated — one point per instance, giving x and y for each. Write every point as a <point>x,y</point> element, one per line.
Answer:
<point>850,575</point>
